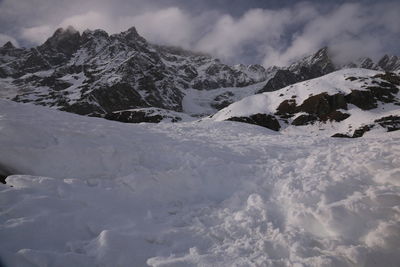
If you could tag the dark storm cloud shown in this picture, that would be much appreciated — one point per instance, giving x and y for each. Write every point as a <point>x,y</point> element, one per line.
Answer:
<point>271,32</point>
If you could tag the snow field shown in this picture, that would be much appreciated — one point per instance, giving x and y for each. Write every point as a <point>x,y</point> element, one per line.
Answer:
<point>192,194</point>
<point>333,83</point>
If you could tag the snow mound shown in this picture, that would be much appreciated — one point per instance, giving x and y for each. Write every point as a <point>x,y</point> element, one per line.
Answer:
<point>192,194</point>
<point>339,102</point>
<point>332,83</point>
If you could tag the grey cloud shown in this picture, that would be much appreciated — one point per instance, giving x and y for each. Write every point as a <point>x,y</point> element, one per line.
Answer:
<point>351,31</point>
<point>268,32</point>
<point>4,38</point>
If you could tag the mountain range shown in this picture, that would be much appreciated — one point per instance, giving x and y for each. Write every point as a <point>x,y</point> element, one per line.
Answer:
<point>123,77</point>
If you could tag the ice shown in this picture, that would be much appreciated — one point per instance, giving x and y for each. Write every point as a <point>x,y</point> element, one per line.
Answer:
<point>89,192</point>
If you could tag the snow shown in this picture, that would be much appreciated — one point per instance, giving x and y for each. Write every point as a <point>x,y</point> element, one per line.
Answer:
<point>198,102</point>
<point>333,83</point>
<point>91,192</point>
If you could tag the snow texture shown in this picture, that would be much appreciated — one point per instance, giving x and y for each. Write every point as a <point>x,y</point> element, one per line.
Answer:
<point>89,192</point>
<point>333,83</point>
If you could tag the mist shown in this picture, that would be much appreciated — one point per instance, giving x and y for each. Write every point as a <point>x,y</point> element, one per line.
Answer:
<point>263,32</point>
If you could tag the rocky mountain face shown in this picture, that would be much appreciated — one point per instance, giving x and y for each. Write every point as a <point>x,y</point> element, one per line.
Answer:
<point>345,103</point>
<point>320,64</point>
<point>95,74</point>
<point>118,76</point>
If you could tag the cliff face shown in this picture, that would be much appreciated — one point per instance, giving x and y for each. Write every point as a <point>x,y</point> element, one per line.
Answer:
<point>94,73</point>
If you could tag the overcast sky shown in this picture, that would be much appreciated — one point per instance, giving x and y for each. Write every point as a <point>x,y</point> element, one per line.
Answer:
<point>269,32</point>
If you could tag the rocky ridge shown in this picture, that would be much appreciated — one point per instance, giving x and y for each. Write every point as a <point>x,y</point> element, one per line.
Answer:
<point>321,63</point>
<point>95,74</point>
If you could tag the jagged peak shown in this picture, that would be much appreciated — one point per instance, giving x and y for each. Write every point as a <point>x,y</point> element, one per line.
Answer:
<point>65,31</point>
<point>8,45</point>
<point>322,58</point>
<point>389,63</point>
<point>95,32</point>
<point>386,58</point>
<point>62,34</point>
<point>65,40</point>
<point>131,33</point>
<point>323,53</point>
<point>132,30</point>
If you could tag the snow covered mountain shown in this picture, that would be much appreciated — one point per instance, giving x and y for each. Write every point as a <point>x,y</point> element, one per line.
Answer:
<point>345,103</point>
<point>322,63</point>
<point>86,191</point>
<point>96,74</point>
<point>117,76</point>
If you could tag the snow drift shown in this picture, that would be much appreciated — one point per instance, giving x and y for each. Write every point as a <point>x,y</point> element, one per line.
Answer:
<point>91,192</point>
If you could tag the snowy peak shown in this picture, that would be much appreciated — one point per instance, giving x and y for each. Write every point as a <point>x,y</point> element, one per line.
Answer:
<point>389,63</point>
<point>8,45</point>
<point>365,63</point>
<point>96,73</point>
<point>312,66</point>
<point>131,33</point>
<point>320,63</point>
<point>64,41</point>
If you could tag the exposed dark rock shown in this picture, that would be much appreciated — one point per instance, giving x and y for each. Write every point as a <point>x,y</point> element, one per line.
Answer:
<point>287,108</point>
<point>337,116</point>
<point>56,84</point>
<point>323,104</point>
<point>383,94</point>
<point>151,115</point>
<point>389,77</point>
<point>391,123</point>
<point>321,107</point>
<point>4,173</point>
<point>352,79</point>
<point>362,99</point>
<point>117,97</point>
<point>304,120</point>
<point>3,179</point>
<point>264,120</point>
<point>84,108</point>
<point>340,135</point>
<point>281,79</point>
<point>362,130</point>
<point>133,117</point>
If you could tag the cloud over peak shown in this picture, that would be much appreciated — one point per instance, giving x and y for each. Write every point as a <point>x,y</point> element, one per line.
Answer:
<point>258,35</point>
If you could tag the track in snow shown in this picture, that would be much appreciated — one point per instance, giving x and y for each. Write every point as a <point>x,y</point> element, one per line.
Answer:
<point>200,193</point>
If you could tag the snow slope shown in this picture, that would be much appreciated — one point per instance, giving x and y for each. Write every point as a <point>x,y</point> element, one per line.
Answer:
<point>332,83</point>
<point>338,82</point>
<point>199,103</point>
<point>91,192</point>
